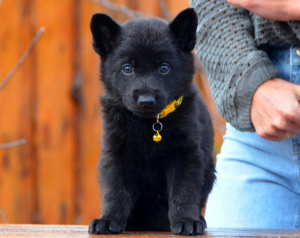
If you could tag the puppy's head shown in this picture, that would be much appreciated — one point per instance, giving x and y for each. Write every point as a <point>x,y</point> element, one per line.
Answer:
<point>145,63</point>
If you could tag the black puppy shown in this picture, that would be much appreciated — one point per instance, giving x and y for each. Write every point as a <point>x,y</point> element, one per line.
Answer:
<point>156,167</point>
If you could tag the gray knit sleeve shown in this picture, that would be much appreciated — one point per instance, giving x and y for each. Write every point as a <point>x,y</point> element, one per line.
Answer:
<point>235,67</point>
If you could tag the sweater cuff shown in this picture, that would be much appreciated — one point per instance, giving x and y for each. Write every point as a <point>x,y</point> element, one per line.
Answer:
<point>252,79</point>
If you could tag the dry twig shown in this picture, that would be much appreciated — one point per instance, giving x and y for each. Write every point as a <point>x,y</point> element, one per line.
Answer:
<point>12,144</point>
<point>165,11</point>
<point>1,213</point>
<point>120,8</point>
<point>23,58</point>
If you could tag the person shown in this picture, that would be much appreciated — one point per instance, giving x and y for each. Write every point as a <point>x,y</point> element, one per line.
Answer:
<point>250,50</point>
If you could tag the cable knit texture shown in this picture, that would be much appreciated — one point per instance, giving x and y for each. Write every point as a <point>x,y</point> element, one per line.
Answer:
<point>228,41</point>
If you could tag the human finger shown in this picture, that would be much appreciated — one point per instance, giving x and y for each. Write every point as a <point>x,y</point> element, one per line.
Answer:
<point>287,125</point>
<point>274,134</point>
<point>293,128</point>
<point>281,137</point>
<point>244,3</point>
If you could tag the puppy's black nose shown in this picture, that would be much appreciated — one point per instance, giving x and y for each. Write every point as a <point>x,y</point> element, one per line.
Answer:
<point>146,101</point>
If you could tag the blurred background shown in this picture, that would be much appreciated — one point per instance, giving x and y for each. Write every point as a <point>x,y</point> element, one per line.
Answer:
<point>50,118</point>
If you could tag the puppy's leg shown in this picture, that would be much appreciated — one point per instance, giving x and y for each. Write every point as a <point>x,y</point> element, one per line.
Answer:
<point>186,180</point>
<point>208,182</point>
<point>114,215</point>
<point>117,200</point>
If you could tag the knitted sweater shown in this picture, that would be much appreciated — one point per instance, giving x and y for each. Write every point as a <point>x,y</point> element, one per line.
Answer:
<point>228,41</point>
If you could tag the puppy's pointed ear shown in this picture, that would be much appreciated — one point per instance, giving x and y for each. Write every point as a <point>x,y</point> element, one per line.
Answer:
<point>183,28</point>
<point>105,33</point>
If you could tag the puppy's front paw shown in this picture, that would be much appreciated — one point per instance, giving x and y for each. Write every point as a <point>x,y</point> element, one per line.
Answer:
<point>189,227</point>
<point>106,226</point>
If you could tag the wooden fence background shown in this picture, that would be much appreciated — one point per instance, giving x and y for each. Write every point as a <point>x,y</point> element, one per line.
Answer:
<point>51,104</point>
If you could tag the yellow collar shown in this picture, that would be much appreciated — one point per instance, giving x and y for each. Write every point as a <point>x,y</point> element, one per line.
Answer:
<point>171,107</point>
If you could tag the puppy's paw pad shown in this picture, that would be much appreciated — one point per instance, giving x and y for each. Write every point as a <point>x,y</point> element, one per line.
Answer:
<point>103,226</point>
<point>188,228</point>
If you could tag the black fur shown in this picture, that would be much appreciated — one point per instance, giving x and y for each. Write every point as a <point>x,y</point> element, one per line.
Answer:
<point>145,64</point>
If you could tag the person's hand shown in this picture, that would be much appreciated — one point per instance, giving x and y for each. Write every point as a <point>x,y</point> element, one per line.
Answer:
<point>280,10</point>
<point>275,110</point>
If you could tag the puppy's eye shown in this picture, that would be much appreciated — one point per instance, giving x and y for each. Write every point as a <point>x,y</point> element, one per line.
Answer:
<point>127,69</point>
<point>164,68</point>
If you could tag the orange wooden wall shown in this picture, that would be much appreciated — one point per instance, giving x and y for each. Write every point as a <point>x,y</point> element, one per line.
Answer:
<point>52,102</point>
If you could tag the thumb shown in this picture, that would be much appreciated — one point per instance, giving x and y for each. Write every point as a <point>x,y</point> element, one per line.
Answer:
<point>232,2</point>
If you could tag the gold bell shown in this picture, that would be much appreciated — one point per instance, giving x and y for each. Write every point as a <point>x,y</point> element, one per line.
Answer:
<point>157,137</point>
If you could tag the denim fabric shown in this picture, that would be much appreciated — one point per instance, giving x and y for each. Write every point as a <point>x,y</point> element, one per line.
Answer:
<point>258,181</point>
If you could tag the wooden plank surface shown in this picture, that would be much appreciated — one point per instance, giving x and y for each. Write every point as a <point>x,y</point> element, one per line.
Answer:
<point>60,231</point>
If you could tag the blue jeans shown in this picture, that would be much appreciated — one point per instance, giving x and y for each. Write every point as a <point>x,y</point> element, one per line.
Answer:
<point>258,181</point>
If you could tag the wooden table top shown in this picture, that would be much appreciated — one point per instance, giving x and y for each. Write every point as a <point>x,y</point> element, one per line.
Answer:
<point>60,231</point>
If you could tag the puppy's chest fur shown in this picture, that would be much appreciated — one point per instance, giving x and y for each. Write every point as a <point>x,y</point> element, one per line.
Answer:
<point>144,161</point>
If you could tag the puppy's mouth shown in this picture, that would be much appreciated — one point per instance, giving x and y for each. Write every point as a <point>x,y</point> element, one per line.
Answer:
<point>171,107</point>
<point>145,106</point>
<point>145,113</point>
